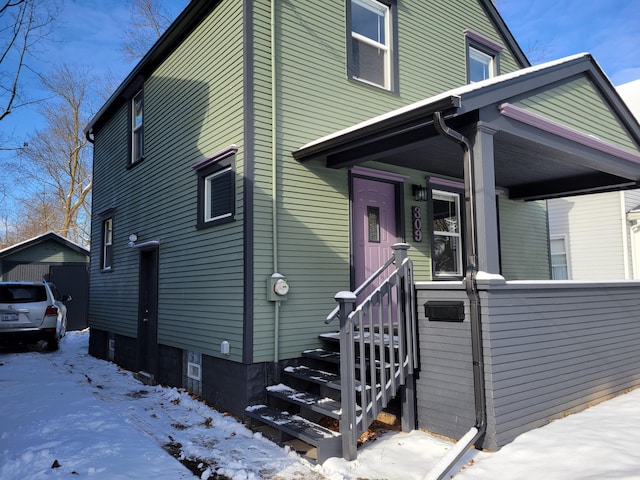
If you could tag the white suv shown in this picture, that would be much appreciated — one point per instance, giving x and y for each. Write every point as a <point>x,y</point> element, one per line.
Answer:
<point>32,311</point>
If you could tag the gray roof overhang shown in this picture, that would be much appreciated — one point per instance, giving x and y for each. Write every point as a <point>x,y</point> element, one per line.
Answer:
<point>533,158</point>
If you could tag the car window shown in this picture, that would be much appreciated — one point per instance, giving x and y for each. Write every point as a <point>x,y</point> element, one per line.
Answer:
<point>22,293</point>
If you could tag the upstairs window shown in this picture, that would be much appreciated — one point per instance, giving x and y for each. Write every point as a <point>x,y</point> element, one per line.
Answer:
<point>107,244</point>
<point>481,65</point>
<point>137,127</point>
<point>483,56</point>
<point>371,42</point>
<point>447,234</point>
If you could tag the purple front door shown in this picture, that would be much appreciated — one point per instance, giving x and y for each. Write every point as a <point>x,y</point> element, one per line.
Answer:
<point>375,226</point>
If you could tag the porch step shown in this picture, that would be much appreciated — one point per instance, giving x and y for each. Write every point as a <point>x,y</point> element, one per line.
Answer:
<point>327,442</point>
<point>323,405</point>
<point>323,355</point>
<point>334,337</point>
<point>319,377</point>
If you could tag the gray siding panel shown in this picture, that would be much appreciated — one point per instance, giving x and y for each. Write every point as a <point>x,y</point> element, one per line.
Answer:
<point>444,385</point>
<point>550,349</point>
<point>557,350</point>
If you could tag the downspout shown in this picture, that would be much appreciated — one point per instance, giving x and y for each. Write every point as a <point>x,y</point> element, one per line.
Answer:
<point>454,454</point>
<point>274,179</point>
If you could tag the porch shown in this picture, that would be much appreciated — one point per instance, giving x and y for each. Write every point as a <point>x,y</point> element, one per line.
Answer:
<point>495,356</point>
<point>550,348</point>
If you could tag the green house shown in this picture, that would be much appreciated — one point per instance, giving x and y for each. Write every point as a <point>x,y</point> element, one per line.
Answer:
<point>266,155</point>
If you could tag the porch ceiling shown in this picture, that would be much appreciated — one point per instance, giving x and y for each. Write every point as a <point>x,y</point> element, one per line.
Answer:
<point>526,167</point>
<point>534,158</point>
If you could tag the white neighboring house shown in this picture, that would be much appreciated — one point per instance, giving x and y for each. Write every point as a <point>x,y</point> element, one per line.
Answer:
<point>598,236</point>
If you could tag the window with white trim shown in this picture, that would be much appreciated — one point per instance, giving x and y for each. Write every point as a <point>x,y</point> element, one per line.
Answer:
<point>447,234</point>
<point>216,189</point>
<point>218,195</point>
<point>137,127</point>
<point>481,65</point>
<point>559,258</point>
<point>107,244</point>
<point>371,42</point>
<point>483,56</point>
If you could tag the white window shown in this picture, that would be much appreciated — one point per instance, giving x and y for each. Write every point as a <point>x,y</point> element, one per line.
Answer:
<point>107,244</point>
<point>447,237</point>
<point>137,127</point>
<point>559,260</point>
<point>370,55</point>
<point>481,65</point>
<point>219,195</point>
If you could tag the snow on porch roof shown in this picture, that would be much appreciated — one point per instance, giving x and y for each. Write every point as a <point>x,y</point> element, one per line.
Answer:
<point>452,101</point>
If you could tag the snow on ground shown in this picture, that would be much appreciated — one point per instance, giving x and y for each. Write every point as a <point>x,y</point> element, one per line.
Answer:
<point>68,415</point>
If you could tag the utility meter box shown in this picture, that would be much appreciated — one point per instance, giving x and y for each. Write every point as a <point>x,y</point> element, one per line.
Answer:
<point>277,288</point>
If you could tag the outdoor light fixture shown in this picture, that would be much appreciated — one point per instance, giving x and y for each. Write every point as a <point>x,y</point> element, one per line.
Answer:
<point>132,240</point>
<point>419,193</point>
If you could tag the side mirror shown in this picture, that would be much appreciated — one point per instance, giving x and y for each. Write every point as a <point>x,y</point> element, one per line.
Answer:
<point>66,298</point>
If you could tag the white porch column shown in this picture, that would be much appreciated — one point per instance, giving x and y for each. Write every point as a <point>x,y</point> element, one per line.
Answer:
<point>484,185</point>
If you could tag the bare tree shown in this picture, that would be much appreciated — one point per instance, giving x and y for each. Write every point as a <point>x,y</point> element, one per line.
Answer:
<point>23,23</point>
<point>149,20</point>
<point>57,161</point>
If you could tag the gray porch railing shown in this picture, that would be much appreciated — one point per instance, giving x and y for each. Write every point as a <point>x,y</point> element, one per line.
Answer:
<point>382,328</point>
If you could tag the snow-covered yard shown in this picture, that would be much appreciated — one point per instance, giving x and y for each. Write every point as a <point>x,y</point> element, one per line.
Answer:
<point>68,415</point>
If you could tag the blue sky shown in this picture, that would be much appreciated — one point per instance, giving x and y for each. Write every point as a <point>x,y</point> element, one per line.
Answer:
<point>90,34</point>
<point>608,29</point>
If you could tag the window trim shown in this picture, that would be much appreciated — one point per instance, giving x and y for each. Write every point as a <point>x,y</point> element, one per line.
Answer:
<point>222,162</point>
<point>134,130</point>
<point>391,61</point>
<point>460,235</point>
<point>567,265</point>
<point>106,250</point>
<point>483,45</point>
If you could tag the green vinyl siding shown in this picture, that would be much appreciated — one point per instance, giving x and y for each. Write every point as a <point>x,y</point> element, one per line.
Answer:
<point>524,244</point>
<point>193,109</point>
<point>314,97</point>
<point>567,103</point>
<point>112,301</point>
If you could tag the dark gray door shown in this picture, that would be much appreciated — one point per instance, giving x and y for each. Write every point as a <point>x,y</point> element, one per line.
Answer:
<point>148,312</point>
<point>73,280</point>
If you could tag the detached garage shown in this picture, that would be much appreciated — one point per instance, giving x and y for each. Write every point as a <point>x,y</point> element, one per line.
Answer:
<point>55,259</point>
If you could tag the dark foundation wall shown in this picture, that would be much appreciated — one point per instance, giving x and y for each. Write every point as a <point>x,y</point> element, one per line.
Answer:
<point>230,386</point>
<point>170,366</point>
<point>98,343</point>
<point>123,352</point>
<point>225,385</point>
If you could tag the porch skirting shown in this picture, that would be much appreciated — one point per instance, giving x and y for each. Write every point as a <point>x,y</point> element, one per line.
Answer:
<point>550,348</point>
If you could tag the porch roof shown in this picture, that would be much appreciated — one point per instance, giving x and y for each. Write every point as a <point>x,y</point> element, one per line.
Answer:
<point>534,156</point>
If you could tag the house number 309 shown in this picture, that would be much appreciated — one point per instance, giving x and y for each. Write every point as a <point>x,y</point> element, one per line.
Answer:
<point>416,215</point>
